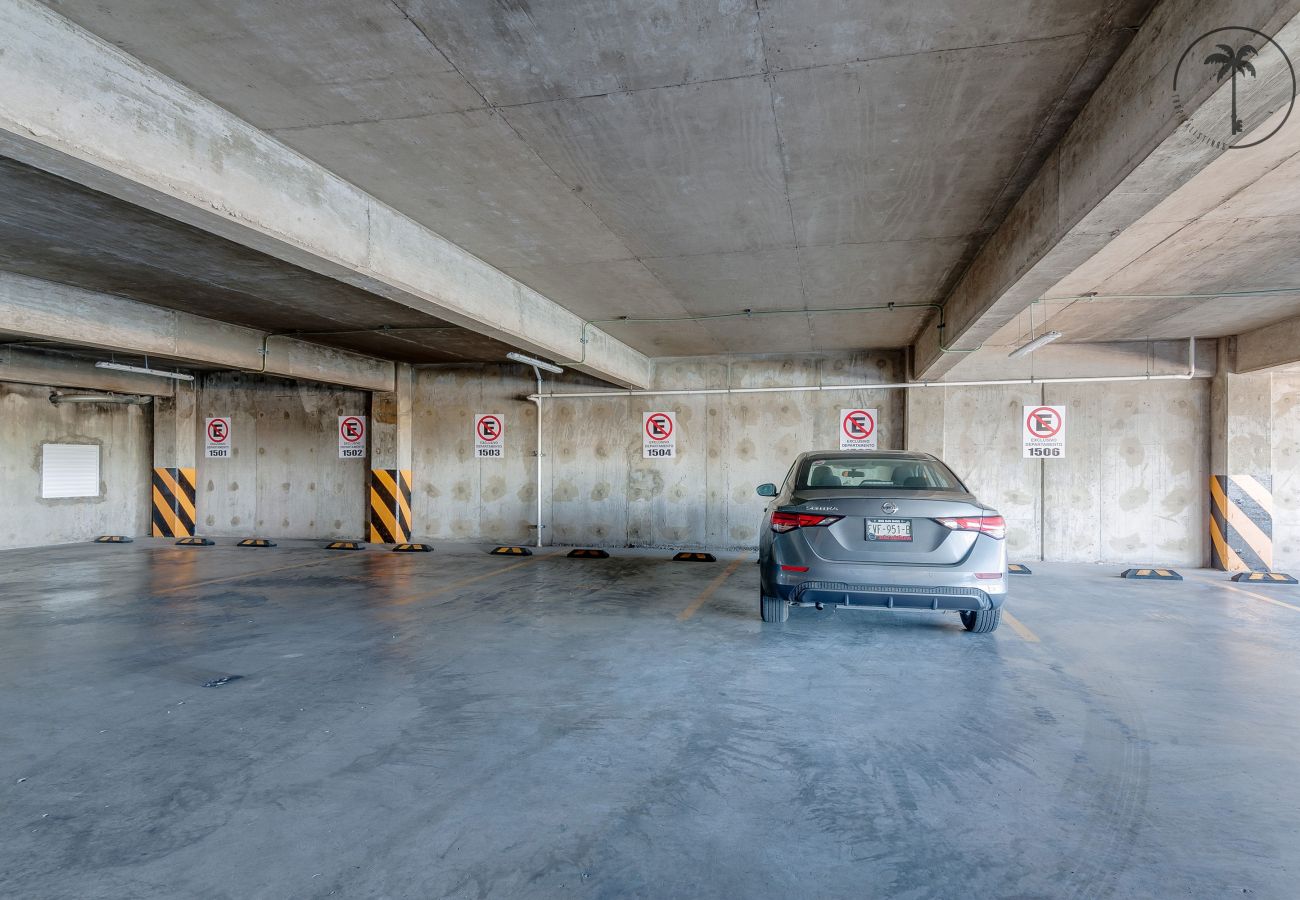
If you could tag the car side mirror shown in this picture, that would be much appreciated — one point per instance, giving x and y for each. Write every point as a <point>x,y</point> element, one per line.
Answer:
<point>766,490</point>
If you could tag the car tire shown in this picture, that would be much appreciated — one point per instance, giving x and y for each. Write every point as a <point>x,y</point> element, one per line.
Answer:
<point>773,609</point>
<point>981,621</point>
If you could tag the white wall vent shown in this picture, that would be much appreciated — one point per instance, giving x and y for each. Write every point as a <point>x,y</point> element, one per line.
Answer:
<point>69,470</point>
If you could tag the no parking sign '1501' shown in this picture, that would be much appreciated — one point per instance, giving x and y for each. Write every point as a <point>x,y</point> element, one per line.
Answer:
<point>1043,429</point>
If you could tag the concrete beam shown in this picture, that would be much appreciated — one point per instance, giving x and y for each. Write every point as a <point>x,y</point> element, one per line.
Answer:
<point>79,107</point>
<point>23,366</point>
<point>1126,152</point>
<point>44,310</point>
<point>1264,348</point>
<point>1093,360</point>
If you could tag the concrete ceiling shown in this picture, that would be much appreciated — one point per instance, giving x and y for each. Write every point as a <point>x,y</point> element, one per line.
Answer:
<point>59,231</point>
<point>1231,231</point>
<point>667,158</point>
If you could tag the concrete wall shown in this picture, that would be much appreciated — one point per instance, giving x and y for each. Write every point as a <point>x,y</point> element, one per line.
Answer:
<point>1285,443</point>
<point>456,496</point>
<point>284,477</point>
<point>1131,488</point>
<point>598,489</point>
<point>28,420</point>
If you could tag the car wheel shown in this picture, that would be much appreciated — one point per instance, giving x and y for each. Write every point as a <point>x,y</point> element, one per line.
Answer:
<point>773,610</point>
<point>981,621</point>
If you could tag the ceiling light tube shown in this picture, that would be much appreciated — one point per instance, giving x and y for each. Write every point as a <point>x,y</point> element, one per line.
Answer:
<point>1040,341</point>
<point>529,361</point>
<point>141,370</point>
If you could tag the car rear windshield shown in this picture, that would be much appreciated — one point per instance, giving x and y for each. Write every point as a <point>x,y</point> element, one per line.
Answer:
<point>876,472</point>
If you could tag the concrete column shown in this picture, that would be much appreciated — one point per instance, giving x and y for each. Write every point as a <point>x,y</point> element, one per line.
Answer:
<point>175,450</point>
<point>923,417</point>
<point>1241,466</point>
<point>391,451</point>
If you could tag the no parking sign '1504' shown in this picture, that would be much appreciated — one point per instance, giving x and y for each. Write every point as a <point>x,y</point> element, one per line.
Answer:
<point>1043,430</point>
<point>659,435</point>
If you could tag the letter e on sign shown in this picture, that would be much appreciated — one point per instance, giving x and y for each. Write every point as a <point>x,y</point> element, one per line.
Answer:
<point>352,437</point>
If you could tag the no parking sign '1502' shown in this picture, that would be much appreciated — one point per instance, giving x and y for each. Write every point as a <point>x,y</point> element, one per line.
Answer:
<point>1043,429</point>
<point>352,437</point>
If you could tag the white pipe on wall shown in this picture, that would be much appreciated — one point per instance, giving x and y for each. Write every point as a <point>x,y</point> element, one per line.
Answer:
<point>902,385</point>
<point>537,398</point>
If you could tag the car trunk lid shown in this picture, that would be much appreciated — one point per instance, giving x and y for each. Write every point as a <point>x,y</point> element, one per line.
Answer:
<point>875,526</point>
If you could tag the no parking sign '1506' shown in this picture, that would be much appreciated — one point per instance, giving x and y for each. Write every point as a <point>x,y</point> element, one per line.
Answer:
<point>1043,429</point>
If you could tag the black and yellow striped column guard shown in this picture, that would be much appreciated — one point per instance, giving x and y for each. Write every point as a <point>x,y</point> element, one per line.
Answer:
<point>390,506</point>
<point>173,502</point>
<point>1241,523</point>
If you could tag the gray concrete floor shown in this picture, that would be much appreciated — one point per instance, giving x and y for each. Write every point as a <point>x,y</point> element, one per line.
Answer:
<point>459,725</point>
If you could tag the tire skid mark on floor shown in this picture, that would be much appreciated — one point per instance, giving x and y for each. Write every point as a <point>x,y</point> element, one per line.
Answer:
<point>253,574</point>
<point>429,595</point>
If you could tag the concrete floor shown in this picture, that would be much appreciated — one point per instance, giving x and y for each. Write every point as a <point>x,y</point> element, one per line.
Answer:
<point>459,725</point>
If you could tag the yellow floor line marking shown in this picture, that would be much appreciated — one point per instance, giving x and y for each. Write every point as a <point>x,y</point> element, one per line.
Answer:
<point>1233,587</point>
<point>1020,627</point>
<point>429,595</point>
<point>199,584</point>
<point>709,589</point>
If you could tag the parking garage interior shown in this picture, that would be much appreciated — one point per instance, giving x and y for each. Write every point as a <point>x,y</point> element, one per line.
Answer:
<point>385,386</point>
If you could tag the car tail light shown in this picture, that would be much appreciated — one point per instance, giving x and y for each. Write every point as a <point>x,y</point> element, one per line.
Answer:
<point>783,522</point>
<point>794,568</point>
<point>993,526</point>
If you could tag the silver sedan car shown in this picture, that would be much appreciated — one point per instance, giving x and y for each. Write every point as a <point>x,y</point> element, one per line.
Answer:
<point>880,530</point>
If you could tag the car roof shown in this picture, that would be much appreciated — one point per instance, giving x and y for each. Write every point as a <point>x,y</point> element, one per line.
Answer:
<point>866,454</point>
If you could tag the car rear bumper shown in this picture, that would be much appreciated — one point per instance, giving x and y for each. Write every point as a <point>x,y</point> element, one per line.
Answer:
<point>889,596</point>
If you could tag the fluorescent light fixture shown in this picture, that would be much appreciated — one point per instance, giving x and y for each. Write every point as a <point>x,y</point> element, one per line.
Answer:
<point>529,361</point>
<point>1041,341</point>
<point>141,370</point>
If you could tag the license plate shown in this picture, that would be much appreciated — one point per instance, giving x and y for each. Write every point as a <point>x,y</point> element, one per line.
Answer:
<point>889,529</point>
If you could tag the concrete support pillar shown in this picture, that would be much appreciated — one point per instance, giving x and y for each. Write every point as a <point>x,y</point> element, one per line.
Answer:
<point>1241,466</point>
<point>175,450</point>
<point>391,451</point>
<point>923,420</point>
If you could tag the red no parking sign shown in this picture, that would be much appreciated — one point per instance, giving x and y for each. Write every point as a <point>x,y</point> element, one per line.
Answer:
<point>217,437</point>
<point>489,435</point>
<point>659,439</point>
<point>352,437</point>
<point>1043,432</point>
<point>857,429</point>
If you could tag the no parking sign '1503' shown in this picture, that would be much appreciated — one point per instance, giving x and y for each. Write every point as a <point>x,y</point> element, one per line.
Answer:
<point>1043,429</point>
<point>489,435</point>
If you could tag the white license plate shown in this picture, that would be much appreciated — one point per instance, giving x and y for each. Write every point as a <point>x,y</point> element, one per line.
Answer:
<point>889,529</point>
